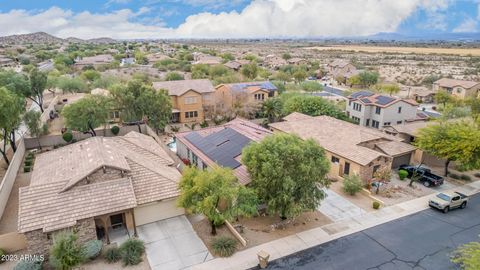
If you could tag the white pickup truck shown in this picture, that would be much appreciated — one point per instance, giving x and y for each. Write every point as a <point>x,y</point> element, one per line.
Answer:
<point>448,200</point>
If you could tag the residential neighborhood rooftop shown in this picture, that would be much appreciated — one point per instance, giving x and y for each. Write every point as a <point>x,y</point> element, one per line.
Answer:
<point>369,98</point>
<point>178,88</point>
<point>65,189</point>
<point>450,83</point>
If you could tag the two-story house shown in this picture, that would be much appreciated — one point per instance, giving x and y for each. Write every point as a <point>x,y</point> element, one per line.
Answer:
<point>458,88</point>
<point>341,68</point>
<point>376,110</point>
<point>237,95</point>
<point>192,100</point>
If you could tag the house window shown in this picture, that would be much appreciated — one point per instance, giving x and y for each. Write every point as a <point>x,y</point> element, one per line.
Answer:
<point>375,124</point>
<point>259,96</point>
<point>346,169</point>
<point>356,119</point>
<point>367,123</point>
<point>399,109</point>
<point>378,110</point>
<point>193,114</point>
<point>190,100</point>
<point>399,122</point>
<point>194,160</point>
<point>386,124</point>
<point>357,107</point>
<point>271,94</point>
<point>114,114</point>
<point>459,90</point>
<point>350,103</point>
<point>335,160</point>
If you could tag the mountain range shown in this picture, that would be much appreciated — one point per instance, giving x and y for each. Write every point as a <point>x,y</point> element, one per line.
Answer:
<point>45,38</point>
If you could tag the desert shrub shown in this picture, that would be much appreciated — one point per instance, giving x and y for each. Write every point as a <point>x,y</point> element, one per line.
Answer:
<point>174,128</point>
<point>454,175</point>
<point>465,177</point>
<point>28,162</point>
<point>28,265</point>
<point>66,252</point>
<point>115,130</point>
<point>132,251</point>
<point>204,124</point>
<point>93,248</point>
<point>67,136</point>
<point>402,174</point>
<point>224,246</point>
<point>27,169</point>
<point>376,205</point>
<point>113,255</point>
<point>383,174</point>
<point>2,253</point>
<point>352,184</point>
<point>477,174</point>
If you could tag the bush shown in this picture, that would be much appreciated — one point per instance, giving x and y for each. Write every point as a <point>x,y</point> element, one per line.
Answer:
<point>352,184</point>
<point>204,124</point>
<point>67,136</point>
<point>224,246</point>
<point>28,163</point>
<point>93,248</point>
<point>132,251</point>
<point>29,265</point>
<point>66,252</point>
<point>465,177</point>
<point>402,174</point>
<point>2,253</point>
<point>454,176</point>
<point>477,175</point>
<point>27,169</point>
<point>376,205</point>
<point>115,130</point>
<point>113,255</point>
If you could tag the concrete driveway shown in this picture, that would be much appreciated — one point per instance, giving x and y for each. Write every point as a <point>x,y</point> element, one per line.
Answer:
<point>172,244</point>
<point>338,208</point>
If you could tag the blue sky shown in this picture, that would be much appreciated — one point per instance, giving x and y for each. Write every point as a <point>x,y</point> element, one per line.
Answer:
<point>237,18</point>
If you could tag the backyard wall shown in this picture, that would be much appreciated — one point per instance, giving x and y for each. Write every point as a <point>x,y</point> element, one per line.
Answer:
<point>9,178</point>
<point>51,107</point>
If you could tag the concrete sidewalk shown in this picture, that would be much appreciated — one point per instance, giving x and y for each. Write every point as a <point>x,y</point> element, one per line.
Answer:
<point>338,208</point>
<point>288,245</point>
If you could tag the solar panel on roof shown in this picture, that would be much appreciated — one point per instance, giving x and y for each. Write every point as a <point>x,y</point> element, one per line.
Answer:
<point>384,100</point>
<point>222,146</point>
<point>366,100</point>
<point>362,94</point>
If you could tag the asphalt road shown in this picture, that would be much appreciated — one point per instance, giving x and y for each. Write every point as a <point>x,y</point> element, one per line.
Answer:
<point>421,241</point>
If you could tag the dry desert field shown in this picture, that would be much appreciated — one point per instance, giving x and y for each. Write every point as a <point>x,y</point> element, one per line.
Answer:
<point>406,50</point>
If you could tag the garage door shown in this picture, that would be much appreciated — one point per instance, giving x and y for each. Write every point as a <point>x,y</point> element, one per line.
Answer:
<point>156,211</point>
<point>400,160</point>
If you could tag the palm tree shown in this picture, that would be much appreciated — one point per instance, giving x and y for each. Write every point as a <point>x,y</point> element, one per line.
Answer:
<point>272,109</point>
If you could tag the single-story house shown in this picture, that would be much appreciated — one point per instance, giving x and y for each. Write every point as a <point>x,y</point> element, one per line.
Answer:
<point>97,60</point>
<point>458,88</point>
<point>220,145</point>
<point>98,187</point>
<point>352,149</point>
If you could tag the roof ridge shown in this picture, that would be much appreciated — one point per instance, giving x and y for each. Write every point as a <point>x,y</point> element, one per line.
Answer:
<point>169,161</point>
<point>146,163</point>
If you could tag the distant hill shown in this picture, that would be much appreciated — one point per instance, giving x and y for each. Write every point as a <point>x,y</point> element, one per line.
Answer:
<point>44,38</point>
<point>33,38</point>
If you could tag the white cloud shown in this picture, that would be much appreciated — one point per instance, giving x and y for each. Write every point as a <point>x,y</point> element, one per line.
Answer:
<point>261,18</point>
<point>469,25</point>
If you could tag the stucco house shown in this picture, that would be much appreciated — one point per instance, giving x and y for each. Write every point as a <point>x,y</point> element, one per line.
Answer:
<point>341,68</point>
<point>236,64</point>
<point>220,146</point>
<point>352,149</point>
<point>458,88</point>
<point>97,60</point>
<point>243,95</point>
<point>192,100</point>
<point>97,187</point>
<point>376,110</point>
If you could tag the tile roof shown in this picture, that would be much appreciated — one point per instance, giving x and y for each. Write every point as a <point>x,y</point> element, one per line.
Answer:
<point>243,127</point>
<point>411,128</point>
<point>336,136</point>
<point>178,88</point>
<point>450,83</point>
<point>54,191</point>
<point>394,148</point>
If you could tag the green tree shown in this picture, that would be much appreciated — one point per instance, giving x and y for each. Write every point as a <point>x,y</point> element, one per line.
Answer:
<point>91,75</point>
<point>138,101</point>
<point>216,194</point>
<point>283,76</point>
<point>200,71</point>
<point>141,58</point>
<point>15,82</point>
<point>250,71</point>
<point>474,104</point>
<point>388,88</point>
<point>311,86</point>
<point>368,78</point>
<point>457,141</point>
<point>34,124</point>
<point>311,105</point>
<point>228,57</point>
<point>272,109</point>
<point>287,173</point>
<point>38,82</point>
<point>71,85</point>
<point>66,252</point>
<point>11,109</point>
<point>443,97</point>
<point>286,56</point>
<point>174,76</point>
<point>468,256</point>
<point>87,114</point>
<point>300,75</point>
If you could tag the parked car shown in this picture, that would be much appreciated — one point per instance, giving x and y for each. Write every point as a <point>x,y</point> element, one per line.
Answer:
<point>449,200</point>
<point>426,177</point>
